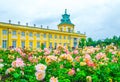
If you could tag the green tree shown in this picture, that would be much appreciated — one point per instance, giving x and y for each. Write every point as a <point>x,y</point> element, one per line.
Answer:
<point>42,46</point>
<point>90,42</point>
<point>82,43</point>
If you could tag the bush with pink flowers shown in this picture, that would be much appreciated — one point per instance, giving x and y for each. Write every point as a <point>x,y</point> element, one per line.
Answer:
<point>88,64</point>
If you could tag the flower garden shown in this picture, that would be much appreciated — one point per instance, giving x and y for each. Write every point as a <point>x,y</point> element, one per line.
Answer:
<point>88,64</point>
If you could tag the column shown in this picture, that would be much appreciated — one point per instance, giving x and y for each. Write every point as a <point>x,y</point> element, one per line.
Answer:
<point>9,37</point>
<point>34,40</point>
<point>0,37</point>
<point>18,38</point>
<point>27,39</point>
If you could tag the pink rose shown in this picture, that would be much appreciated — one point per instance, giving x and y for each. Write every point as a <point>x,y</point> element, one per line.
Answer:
<point>18,63</point>
<point>40,75</point>
<point>75,52</point>
<point>53,79</point>
<point>87,56</point>
<point>71,72</point>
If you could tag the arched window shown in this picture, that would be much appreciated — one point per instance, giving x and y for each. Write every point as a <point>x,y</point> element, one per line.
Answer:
<point>69,30</point>
<point>61,29</point>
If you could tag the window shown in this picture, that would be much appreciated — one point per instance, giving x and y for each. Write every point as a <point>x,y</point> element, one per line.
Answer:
<point>38,35</point>
<point>38,44</point>
<point>75,42</point>
<point>30,34</point>
<point>68,37</point>
<point>31,43</point>
<point>66,29</point>
<point>44,35</point>
<point>55,45</point>
<point>64,37</point>
<point>4,32</point>
<point>4,44</point>
<point>44,44</point>
<point>55,36</point>
<point>22,33</point>
<point>23,44</point>
<point>72,30</point>
<point>14,43</point>
<point>50,44</point>
<point>60,36</point>
<point>61,29</point>
<point>75,39</point>
<point>50,36</point>
<point>64,44</point>
<point>14,33</point>
<point>69,30</point>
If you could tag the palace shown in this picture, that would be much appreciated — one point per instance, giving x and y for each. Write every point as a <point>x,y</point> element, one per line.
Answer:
<point>16,35</point>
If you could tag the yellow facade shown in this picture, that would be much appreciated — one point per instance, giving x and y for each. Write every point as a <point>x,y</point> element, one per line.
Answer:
<point>14,35</point>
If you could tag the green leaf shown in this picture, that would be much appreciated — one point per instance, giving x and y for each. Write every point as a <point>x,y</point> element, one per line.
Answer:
<point>23,80</point>
<point>16,75</point>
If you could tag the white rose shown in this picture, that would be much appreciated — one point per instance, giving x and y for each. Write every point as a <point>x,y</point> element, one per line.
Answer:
<point>1,66</point>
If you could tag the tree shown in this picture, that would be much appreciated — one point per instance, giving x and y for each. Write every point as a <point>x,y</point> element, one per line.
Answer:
<point>82,43</point>
<point>42,46</point>
<point>90,42</point>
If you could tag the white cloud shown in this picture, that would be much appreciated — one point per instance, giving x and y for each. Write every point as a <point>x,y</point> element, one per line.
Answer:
<point>90,16</point>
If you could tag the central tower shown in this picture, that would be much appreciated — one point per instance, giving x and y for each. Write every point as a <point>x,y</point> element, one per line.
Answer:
<point>66,24</point>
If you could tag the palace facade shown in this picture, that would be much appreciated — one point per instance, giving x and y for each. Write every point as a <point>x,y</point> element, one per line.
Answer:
<point>16,35</point>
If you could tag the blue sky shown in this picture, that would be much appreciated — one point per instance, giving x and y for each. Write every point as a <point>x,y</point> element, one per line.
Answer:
<point>98,18</point>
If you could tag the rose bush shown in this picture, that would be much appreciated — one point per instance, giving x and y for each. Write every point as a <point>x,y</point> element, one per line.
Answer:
<point>90,64</point>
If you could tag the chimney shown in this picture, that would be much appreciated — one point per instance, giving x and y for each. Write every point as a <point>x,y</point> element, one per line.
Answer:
<point>84,32</point>
<point>18,22</point>
<point>41,26</point>
<point>34,25</point>
<point>26,24</point>
<point>9,21</point>
<point>47,27</point>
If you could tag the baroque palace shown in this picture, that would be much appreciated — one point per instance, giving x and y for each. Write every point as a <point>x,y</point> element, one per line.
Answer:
<point>16,35</point>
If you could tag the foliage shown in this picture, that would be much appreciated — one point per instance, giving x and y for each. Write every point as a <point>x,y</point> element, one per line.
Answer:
<point>90,42</point>
<point>80,65</point>
<point>82,43</point>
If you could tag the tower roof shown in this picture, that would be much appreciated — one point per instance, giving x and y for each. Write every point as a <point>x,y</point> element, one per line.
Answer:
<point>66,19</point>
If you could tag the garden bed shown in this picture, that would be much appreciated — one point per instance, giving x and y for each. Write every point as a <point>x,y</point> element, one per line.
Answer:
<point>90,64</point>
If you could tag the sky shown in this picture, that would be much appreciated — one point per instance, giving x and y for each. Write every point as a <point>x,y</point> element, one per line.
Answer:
<point>99,19</point>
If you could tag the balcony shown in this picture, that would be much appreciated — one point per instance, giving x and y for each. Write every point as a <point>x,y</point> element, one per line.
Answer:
<point>23,38</point>
<point>14,37</point>
<point>30,38</point>
<point>37,38</point>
